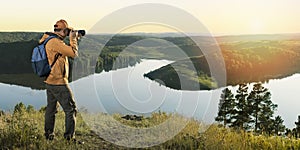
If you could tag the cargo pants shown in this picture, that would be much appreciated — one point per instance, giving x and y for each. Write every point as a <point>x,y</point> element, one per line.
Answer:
<point>60,94</point>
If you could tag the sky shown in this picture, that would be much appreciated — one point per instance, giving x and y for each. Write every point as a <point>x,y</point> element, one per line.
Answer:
<point>226,17</point>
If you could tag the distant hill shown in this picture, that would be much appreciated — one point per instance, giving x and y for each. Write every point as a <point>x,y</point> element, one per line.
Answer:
<point>259,37</point>
<point>243,54</point>
<point>186,74</point>
<point>245,62</point>
<point>9,37</point>
<point>15,57</point>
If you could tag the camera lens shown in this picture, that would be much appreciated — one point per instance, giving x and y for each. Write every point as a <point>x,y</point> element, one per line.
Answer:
<point>82,32</point>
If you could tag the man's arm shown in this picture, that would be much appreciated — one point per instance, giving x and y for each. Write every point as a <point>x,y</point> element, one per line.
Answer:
<point>65,50</point>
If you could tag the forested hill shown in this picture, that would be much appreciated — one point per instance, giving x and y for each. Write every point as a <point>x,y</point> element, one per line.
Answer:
<point>245,62</point>
<point>243,55</point>
<point>15,57</point>
<point>16,49</point>
<point>9,37</point>
<point>259,37</point>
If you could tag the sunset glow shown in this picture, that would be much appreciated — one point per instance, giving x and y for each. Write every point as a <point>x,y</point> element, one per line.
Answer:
<point>220,17</point>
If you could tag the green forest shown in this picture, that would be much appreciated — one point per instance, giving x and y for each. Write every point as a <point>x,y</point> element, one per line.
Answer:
<point>247,59</point>
<point>97,53</point>
<point>245,62</point>
<point>251,59</point>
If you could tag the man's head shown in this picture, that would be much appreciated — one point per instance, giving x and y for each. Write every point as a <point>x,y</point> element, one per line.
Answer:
<point>62,28</point>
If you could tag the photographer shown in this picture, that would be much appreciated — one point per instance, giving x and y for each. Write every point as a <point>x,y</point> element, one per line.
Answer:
<point>58,90</point>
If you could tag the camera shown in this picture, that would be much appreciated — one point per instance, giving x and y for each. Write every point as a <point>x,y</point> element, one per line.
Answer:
<point>81,32</point>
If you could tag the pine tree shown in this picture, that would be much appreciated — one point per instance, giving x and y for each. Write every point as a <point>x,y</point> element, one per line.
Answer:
<point>19,108</point>
<point>226,108</point>
<point>262,108</point>
<point>278,125</point>
<point>294,133</point>
<point>297,129</point>
<point>30,109</point>
<point>265,118</point>
<point>242,116</point>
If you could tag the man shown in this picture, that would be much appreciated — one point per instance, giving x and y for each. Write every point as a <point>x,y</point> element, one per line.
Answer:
<point>57,87</point>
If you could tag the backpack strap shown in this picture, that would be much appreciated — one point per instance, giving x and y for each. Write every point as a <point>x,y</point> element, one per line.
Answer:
<point>47,39</point>
<point>51,36</point>
<point>55,59</point>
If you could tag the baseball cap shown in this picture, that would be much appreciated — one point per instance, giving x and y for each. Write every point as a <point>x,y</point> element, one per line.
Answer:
<point>61,24</point>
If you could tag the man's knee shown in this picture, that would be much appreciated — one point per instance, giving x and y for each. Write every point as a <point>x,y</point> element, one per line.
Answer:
<point>51,111</point>
<point>71,112</point>
<point>69,108</point>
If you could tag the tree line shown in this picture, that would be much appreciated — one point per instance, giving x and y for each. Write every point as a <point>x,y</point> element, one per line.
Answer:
<point>250,111</point>
<point>259,61</point>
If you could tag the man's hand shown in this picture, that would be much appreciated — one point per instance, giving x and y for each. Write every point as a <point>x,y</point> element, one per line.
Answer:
<point>74,34</point>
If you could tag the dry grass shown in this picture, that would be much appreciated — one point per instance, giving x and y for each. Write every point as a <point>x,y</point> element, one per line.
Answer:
<point>25,131</point>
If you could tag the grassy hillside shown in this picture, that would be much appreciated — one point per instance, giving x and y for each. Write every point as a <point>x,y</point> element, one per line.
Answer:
<point>24,130</point>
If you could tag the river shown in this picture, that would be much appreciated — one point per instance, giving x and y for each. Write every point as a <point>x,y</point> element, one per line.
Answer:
<point>126,91</point>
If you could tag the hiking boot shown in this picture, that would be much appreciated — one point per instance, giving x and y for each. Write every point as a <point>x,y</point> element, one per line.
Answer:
<point>49,137</point>
<point>73,140</point>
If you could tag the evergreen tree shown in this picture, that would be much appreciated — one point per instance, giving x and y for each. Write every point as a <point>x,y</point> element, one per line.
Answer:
<point>19,108</point>
<point>278,125</point>
<point>262,108</point>
<point>30,109</point>
<point>226,108</point>
<point>265,117</point>
<point>294,133</point>
<point>297,129</point>
<point>242,116</point>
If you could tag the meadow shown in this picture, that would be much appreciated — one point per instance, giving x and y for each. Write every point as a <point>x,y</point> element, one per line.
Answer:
<point>23,129</point>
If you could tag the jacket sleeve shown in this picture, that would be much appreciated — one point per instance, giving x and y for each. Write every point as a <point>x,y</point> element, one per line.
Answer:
<point>62,48</point>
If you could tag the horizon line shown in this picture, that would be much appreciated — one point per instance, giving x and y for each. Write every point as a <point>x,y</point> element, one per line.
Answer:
<point>190,34</point>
